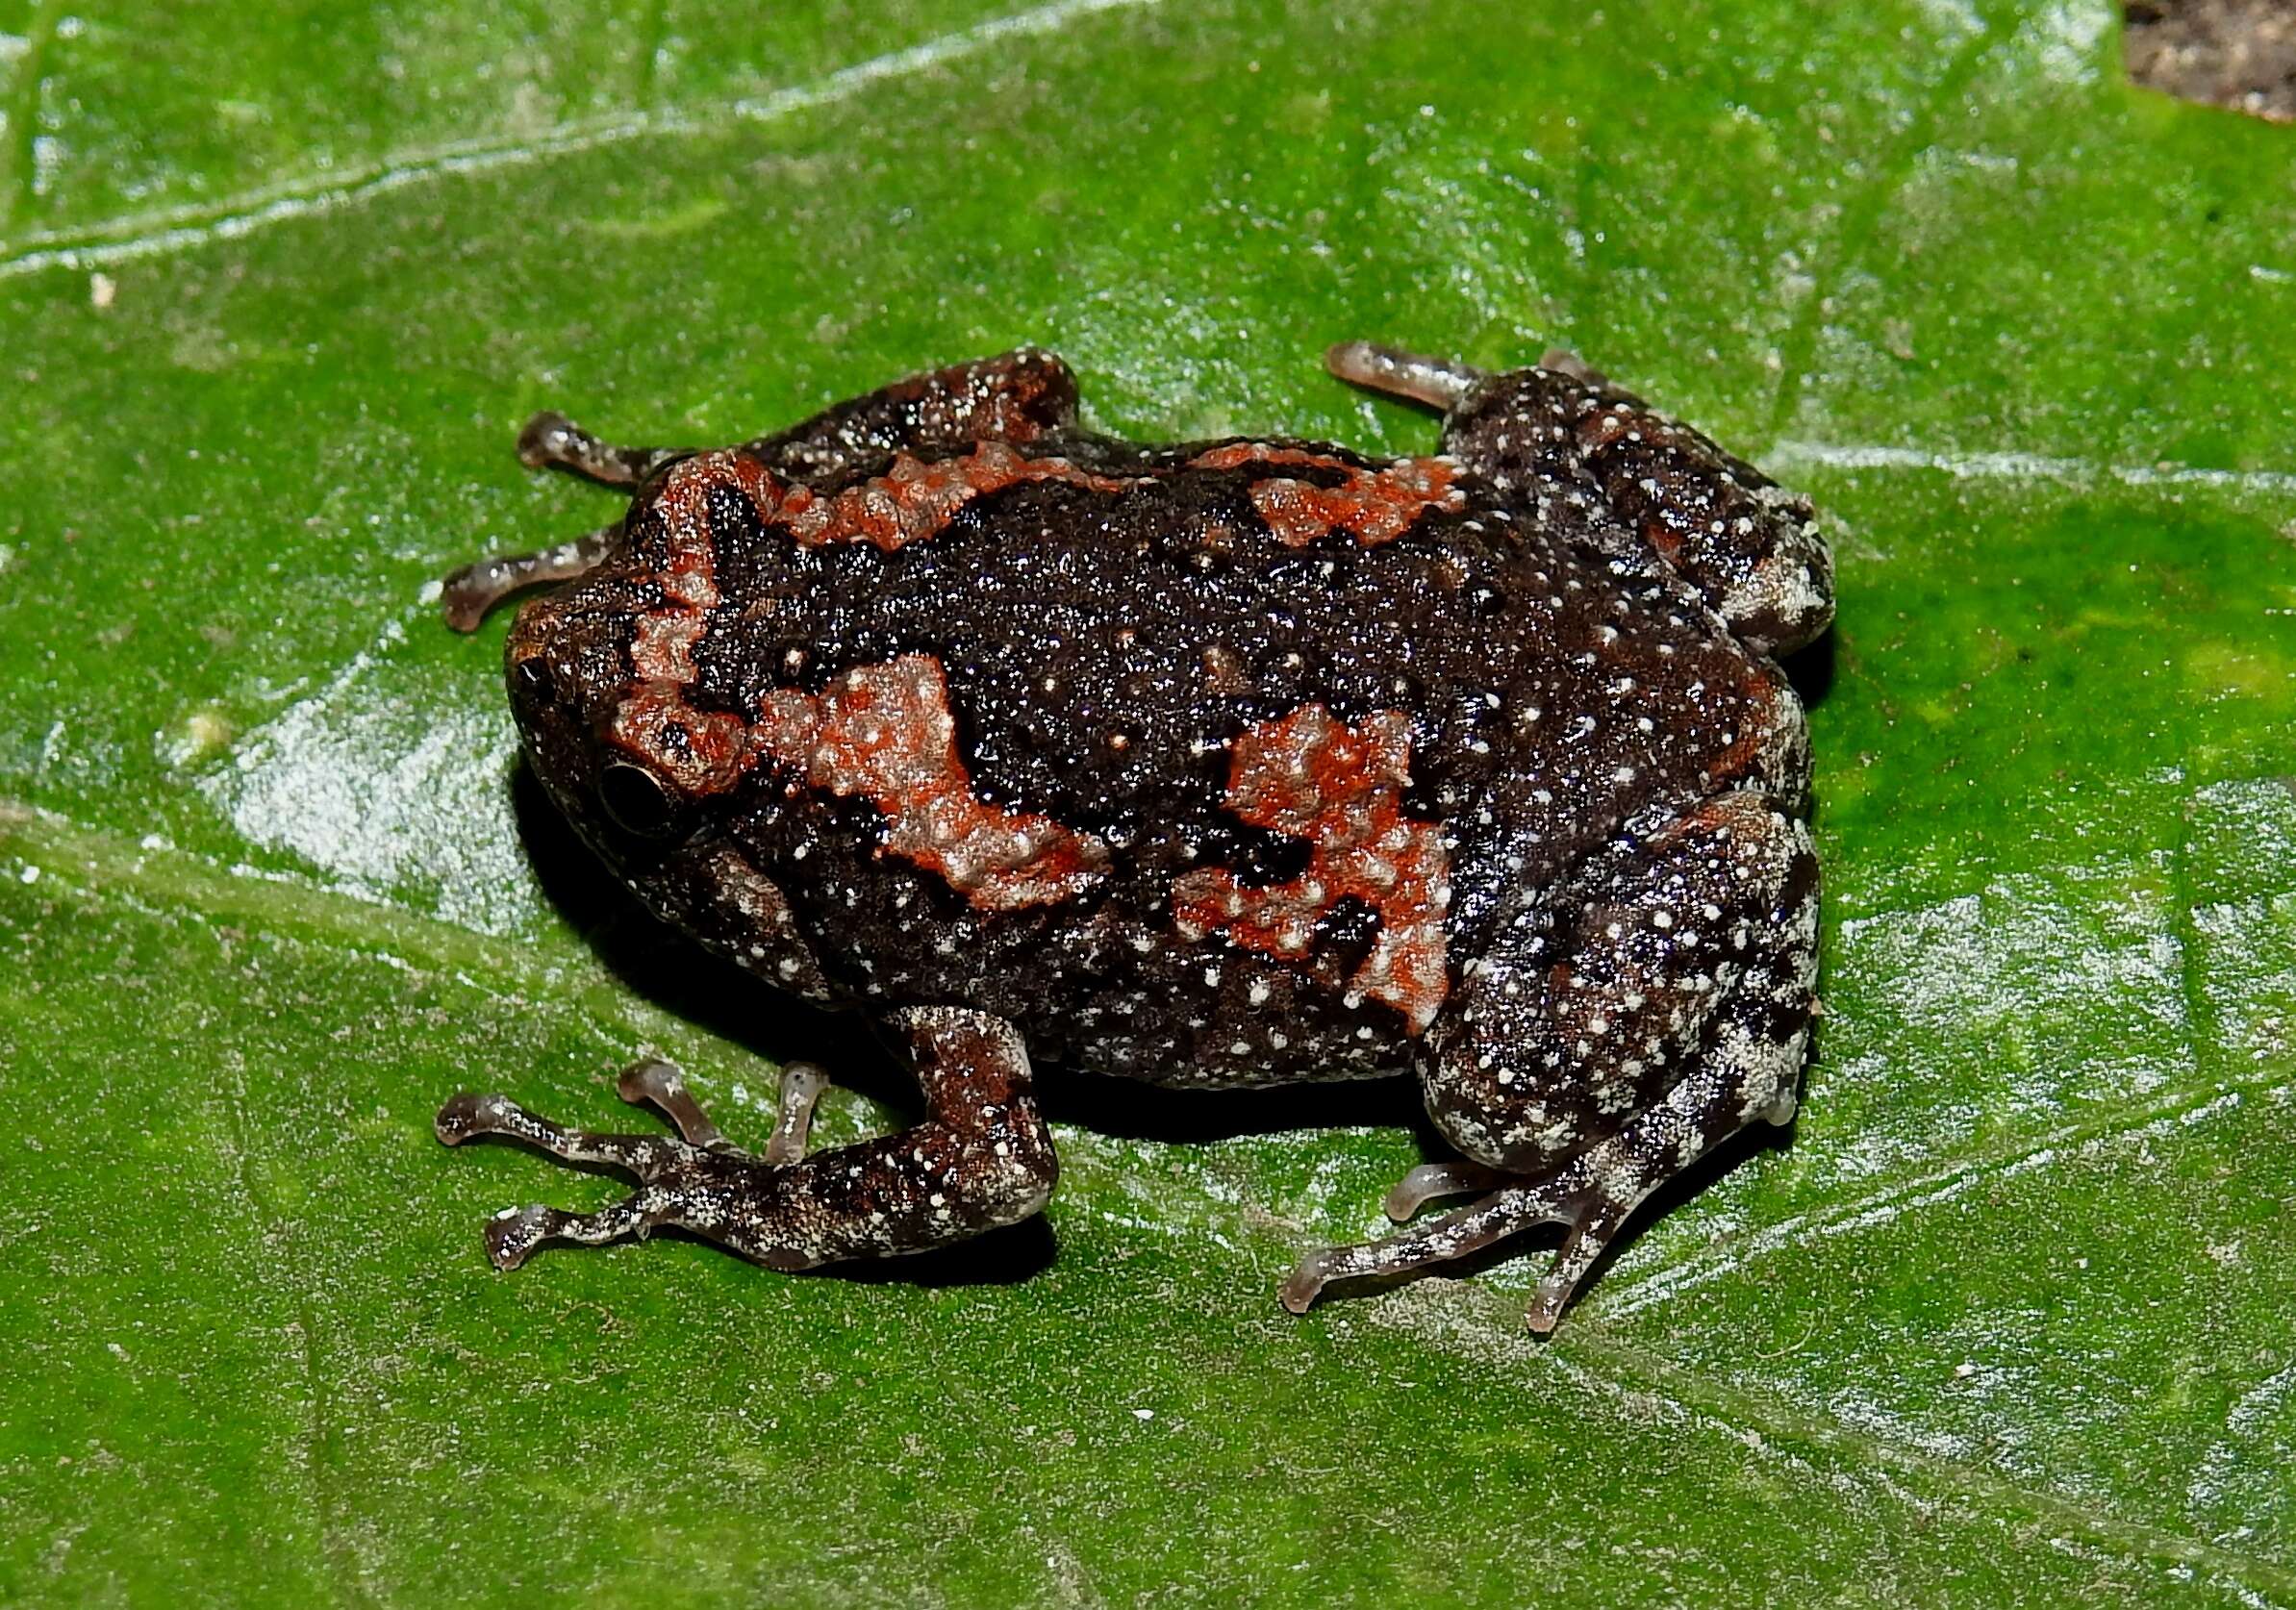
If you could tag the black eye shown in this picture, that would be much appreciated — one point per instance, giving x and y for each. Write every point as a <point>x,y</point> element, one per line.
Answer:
<point>535,679</point>
<point>639,801</point>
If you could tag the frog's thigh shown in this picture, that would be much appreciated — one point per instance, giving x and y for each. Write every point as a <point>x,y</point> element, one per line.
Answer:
<point>1601,1055</point>
<point>1591,1005</point>
<point>1750,547</point>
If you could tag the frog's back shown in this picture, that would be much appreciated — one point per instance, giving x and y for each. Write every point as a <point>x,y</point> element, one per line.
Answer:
<point>1206,763</point>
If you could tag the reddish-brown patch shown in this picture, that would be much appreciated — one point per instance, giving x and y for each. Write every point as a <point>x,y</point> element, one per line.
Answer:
<point>699,752</point>
<point>1373,505</point>
<point>885,733</point>
<point>1341,789</point>
<point>916,499</point>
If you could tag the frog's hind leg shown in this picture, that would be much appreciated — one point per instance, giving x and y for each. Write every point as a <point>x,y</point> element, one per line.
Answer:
<point>1618,1026</point>
<point>1559,436</point>
<point>982,1158</point>
<point>1748,1076</point>
<point>1015,398</point>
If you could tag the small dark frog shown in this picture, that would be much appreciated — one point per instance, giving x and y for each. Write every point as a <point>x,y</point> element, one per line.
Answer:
<point>1228,764</point>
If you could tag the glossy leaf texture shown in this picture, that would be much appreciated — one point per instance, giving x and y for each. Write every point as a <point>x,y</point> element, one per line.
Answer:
<point>2008,1322</point>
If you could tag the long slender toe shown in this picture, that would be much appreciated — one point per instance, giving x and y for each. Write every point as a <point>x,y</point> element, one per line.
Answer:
<point>1306,1281</point>
<point>1436,381</point>
<point>1431,1180</point>
<point>662,1085</point>
<point>549,437</point>
<point>801,1086</point>
<point>468,1114</point>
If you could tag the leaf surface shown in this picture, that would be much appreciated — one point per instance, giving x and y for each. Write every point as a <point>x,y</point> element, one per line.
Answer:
<point>2008,1322</point>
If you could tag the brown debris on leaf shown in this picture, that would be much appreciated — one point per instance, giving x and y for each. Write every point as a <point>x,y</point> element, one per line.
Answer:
<point>2239,54</point>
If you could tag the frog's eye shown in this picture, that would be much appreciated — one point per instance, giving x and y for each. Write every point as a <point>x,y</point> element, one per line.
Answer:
<point>638,800</point>
<point>534,678</point>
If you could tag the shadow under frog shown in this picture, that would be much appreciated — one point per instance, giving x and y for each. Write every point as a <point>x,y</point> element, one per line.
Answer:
<point>1218,766</point>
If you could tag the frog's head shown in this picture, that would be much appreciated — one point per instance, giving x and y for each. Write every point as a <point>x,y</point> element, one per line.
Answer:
<point>621,751</point>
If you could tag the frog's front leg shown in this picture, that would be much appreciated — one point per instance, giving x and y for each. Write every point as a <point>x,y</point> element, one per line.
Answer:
<point>982,1158</point>
<point>1617,1029</point>
<point>1561,432</point>
<point>467,594</point>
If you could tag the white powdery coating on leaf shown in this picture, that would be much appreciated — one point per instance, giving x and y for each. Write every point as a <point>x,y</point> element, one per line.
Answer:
<point>2250,1455</point>
<point>2071,36</point>
<point>394,782</point>
<point>2008,979</point>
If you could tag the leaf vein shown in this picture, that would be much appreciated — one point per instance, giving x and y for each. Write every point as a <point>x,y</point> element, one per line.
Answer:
<point>182,228</point>
<point>19,113</point>
<point>1794,453</point>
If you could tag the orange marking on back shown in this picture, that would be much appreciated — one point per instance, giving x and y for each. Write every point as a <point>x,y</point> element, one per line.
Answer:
<point>1373,505</point>
<point>885,733</point>
<point>701,752</point>
<point>916,499</point>
<point>1339,788</point>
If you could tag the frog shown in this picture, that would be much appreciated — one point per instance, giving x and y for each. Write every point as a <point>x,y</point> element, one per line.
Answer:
<point>1213,764</point>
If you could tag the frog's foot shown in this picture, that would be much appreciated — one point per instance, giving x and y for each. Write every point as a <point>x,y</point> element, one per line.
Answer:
<point>1520,1206</point>
<point>1748,1076</point>
<point>982,1158</point>
<point>550,438</point>
<point>470,592</point>
<point>658,1164</point>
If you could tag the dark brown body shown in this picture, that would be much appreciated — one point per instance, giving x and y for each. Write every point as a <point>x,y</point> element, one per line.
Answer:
<point>1222,763</point>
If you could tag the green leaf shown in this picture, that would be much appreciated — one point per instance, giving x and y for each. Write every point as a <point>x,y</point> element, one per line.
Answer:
<point>2008,1320</point>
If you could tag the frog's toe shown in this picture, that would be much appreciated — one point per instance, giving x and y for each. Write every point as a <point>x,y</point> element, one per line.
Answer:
<point>1431,1180</point>
<point>1595,1219</point>
<point>467,594</point>
<point>646,1157</point>
<point>1470,1229</point>
<point>514,1233</point>
<point>1306,1282</point>
<point>468,1114</point>
<point>651,1082</point>
<point>1436,381</point>
<point>801,1086</point>
<point>551,437</point>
